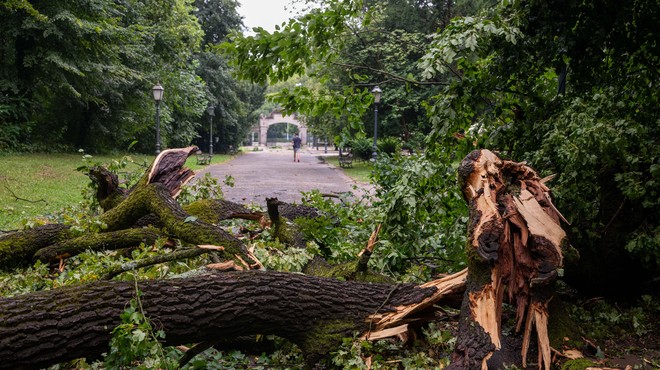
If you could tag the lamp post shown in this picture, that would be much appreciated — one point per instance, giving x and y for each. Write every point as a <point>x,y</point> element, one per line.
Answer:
<point>211,111</point>
<point>377,93</point>
<point>158,96</point>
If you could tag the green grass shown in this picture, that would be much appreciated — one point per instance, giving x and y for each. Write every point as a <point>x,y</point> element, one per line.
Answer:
<point>49,182</point>
<point>191,162</point>
<point>360,171</point>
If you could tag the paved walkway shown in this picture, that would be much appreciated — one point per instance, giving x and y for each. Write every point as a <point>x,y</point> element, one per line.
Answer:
<point>272,173</point>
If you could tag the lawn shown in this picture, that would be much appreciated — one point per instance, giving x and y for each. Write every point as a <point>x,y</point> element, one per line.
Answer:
<point>359,172</point>
<point>33,185</point>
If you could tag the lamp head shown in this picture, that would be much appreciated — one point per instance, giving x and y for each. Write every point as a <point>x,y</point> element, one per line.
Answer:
<point>158,92</point>
<point>377,93</point>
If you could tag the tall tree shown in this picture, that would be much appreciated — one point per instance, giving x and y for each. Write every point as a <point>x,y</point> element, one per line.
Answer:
<point>85,69</point>
<point>234,102</point>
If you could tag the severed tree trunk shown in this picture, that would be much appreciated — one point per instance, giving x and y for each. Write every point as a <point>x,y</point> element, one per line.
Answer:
<point>514,249</point>
<point>48,327</point>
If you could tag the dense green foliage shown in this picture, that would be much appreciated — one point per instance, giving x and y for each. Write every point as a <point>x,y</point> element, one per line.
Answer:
<point>573,90</point>
<point>570,87</point>
<point>78,74</point>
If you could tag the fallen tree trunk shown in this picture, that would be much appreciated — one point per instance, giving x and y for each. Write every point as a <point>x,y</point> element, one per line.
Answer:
<point>514,250</point>
<point>152,196</point>
<point>49,327</point>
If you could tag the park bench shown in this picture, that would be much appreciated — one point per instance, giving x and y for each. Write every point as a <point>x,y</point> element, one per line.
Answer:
<point>346,160</point>
<point>203,159</point>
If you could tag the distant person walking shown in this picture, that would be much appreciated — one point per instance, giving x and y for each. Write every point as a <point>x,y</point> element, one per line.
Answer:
<point>296,148</point>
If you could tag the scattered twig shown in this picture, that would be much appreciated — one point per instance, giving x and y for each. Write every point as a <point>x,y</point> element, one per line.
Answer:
<point>194,351</point>
<point>23,199</point>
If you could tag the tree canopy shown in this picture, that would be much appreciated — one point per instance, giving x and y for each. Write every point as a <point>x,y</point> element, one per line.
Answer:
<point>570,87</point>
<point>78,74</point>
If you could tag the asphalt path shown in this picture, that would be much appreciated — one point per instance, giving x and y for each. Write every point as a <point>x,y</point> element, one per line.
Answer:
<point>273,173</point>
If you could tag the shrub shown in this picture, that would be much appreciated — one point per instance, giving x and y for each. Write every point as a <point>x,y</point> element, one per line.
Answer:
<point>362,147</point>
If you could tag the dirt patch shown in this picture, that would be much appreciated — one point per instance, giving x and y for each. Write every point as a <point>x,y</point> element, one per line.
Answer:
<point>47,172</point>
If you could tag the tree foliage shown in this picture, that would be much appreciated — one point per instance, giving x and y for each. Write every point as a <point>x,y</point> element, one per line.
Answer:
<point>569,86</point>
<point>572,89</point>
<point>78,74</point>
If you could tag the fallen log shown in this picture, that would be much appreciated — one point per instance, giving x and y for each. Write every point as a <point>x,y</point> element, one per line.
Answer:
<point>49,327</point>
<point>152,199</point>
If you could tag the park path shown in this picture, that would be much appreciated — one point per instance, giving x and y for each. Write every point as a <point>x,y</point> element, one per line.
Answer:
<point>272,173</point>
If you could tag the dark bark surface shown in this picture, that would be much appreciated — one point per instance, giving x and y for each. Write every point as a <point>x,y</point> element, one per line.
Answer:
<point>48,327</point>
<point>19,247</point>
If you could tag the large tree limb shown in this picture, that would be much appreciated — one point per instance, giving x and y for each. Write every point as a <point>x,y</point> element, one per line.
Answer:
<point>101,241</point>
<point>48,327</point>
<point>19,247</point>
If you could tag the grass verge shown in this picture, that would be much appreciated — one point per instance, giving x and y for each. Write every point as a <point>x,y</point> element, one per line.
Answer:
<point>361,171</point>
<point>33,185</point>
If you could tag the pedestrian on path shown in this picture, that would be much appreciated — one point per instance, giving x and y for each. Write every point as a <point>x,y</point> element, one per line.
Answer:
<point>296,148</point>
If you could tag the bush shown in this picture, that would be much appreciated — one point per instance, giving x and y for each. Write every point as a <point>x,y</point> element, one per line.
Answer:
<point>362,147</point>
<point>389,145</point>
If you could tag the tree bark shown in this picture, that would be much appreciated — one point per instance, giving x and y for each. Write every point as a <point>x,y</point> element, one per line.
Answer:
<point>19,247</point>
<point>49,327</point>
<point>102,241</point>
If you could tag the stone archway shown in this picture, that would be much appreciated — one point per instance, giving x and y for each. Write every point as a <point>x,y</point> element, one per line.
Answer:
<point>277,117</point>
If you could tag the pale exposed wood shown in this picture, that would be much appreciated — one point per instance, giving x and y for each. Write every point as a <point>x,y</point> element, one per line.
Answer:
<point>225,266</point>
<point>365,253</point>
<point>483,307</point>
<point>168,168</point>
<point>516,230</point>
<point>386,333</point>
<point>371,243</point>
<point>212,247</point>
<point>445,286</point>
<point>537,220</point>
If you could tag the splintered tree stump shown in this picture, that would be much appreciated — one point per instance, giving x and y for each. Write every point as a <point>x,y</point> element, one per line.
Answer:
<point>514,250</point>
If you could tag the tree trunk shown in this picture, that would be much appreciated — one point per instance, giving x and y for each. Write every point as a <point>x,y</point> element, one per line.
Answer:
<point>515,244</point>
<point>19,247</point>
<point>49,327</point>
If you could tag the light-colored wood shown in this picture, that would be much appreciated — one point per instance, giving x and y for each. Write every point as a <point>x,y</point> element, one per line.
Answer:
<point>386,333</point>
<point>211,247</point>
<point>445,286</point>
<point>484,312</point>
<point>537,220</point>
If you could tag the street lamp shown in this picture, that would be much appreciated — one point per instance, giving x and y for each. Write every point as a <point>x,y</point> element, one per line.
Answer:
<point>158,96</point>
<point>377,93</point>
<point>211,111</point>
